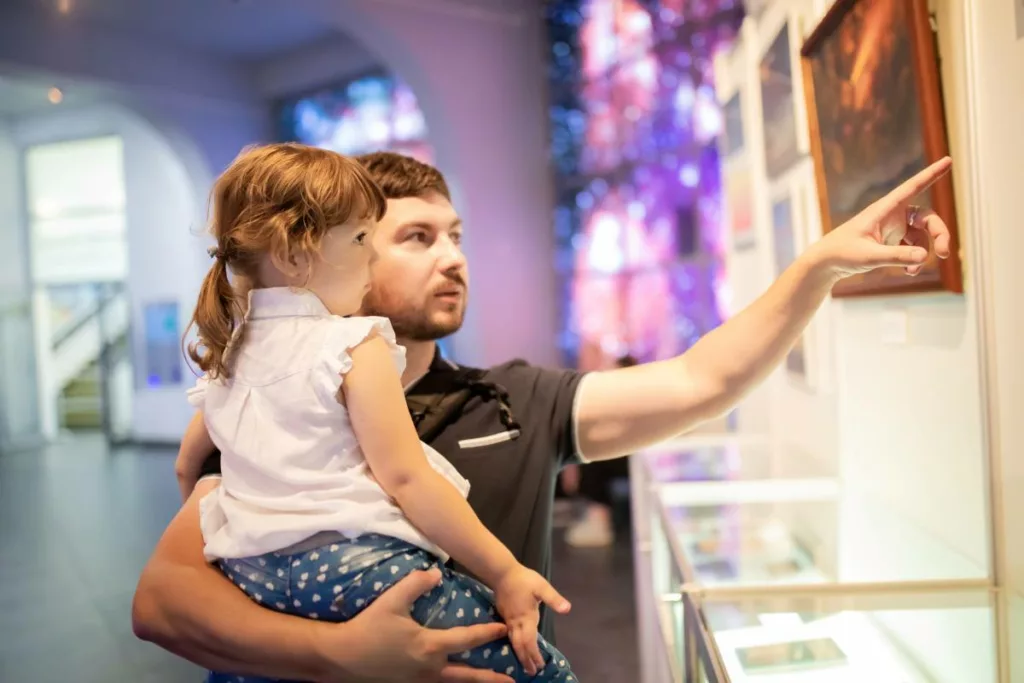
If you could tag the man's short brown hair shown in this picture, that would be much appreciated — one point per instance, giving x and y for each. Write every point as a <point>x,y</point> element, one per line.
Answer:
<point>400,176</point>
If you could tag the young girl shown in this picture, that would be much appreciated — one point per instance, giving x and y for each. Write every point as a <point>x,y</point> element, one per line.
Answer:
<point>328,497</point>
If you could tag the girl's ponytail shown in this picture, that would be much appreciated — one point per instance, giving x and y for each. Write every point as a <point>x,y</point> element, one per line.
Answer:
<point>217,315</point>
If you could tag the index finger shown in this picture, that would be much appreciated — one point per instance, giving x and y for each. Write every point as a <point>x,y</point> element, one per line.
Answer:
<point>459,673</point>
<point>916,185</point>
<point>460,638</point>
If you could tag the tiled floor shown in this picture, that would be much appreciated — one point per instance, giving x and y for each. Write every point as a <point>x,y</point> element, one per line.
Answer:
<point>77,524</point>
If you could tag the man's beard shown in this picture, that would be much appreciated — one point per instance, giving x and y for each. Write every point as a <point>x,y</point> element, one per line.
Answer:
<point>409,322</point>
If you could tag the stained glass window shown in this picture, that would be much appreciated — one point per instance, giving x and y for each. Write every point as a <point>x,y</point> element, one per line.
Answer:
<point>367,114</point>
<point>634,122</point>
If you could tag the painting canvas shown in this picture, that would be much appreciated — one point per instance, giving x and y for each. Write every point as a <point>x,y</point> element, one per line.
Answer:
<point>732,127</point>
<point>785,249</point>
<point>739,190</point>
<point>781,147</point>
<point>876,118</point>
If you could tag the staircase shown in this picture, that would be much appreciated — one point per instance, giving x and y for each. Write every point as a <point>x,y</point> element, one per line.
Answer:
<point>85,372</point>
<point>80,404</point>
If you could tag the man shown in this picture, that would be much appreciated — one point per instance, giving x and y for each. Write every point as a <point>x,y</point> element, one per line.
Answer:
<point>509,430</point>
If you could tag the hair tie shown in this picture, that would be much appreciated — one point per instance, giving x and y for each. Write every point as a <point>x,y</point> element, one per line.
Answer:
<point>215,253</point>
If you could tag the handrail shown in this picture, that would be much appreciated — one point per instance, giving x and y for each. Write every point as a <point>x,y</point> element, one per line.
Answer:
<point>108,292</point>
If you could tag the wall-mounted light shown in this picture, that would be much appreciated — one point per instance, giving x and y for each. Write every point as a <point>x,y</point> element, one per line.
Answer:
<point>55,96</point>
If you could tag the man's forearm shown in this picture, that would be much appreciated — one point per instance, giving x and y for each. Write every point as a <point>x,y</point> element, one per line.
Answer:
<point>188,607</point>
<point>214,625</point>
<point>738,355</point>
<point>628,409</point>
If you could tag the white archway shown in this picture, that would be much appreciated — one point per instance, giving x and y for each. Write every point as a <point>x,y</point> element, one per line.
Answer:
<point>166,180</point>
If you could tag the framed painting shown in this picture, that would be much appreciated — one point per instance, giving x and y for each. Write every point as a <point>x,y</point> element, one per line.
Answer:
<point>786,244</point>
<point>778,104</point>
<point>875,111</point>
<point>732,126</point>
<point>739,208</point>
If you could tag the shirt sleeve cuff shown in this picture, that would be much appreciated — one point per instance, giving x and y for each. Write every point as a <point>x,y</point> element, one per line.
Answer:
<point>577,451</point>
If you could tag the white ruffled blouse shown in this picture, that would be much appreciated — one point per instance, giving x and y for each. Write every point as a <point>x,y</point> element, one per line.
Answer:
<point>291,465</point>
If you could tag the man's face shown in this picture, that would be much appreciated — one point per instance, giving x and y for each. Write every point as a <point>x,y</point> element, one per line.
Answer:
<point>419,279</point>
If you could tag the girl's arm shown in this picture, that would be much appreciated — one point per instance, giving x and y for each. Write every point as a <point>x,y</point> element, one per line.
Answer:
<point>376,404</point>
<point>196,447</point>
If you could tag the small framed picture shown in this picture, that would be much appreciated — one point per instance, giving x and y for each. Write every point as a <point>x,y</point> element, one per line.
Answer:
<point>788,231</point>
<point>791,657</point>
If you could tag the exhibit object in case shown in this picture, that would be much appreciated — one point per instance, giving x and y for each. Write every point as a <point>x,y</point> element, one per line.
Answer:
<point>740,577</point>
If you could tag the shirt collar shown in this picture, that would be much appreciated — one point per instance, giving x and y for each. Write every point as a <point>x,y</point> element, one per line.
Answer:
<point>284,302</point>
<point>438,362</point>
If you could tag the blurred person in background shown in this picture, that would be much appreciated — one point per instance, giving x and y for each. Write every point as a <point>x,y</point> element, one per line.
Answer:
<point>595,485</point>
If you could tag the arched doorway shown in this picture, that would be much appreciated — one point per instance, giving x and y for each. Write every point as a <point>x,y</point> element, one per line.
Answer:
<point>106,202</point>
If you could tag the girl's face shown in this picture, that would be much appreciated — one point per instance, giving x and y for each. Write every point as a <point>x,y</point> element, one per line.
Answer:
<point>340,273</point>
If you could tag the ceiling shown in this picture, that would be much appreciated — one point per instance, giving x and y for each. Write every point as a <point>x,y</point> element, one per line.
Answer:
<point>23,96</point>
<point>235,30</point>
<point>242,30</point>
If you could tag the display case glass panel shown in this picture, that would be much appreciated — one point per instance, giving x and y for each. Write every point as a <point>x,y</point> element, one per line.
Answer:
<point>782,532</point>
<point>751,582</point>
<point>735,523</point>
<point>901,636</point>
<point>667,581</point>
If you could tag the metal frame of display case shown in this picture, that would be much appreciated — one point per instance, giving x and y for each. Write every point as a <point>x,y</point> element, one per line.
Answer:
<point>698,658</point>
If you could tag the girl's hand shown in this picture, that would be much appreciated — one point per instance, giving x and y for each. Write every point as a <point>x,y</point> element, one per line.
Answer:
<point>517,598</point>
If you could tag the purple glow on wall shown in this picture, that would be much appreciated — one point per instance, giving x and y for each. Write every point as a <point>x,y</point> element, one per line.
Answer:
<point>633,126</point>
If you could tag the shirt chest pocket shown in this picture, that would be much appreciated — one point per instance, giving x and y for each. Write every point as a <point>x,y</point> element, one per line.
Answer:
<point>493,464</point>
<point>489,439</point>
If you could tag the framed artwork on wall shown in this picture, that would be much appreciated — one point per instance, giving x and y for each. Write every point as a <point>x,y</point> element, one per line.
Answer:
<point>738,183</point>
<point>732,140</point>
<point>788,241</point>
<point>161,344</point>
<point>782,144</point>
<point>875,112</point>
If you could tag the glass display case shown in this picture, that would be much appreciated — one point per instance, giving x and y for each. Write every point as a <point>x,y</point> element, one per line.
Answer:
<point>744,576</point>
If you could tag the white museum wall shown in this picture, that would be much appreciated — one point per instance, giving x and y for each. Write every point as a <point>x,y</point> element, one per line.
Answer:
<point>898,407</point>
<point>13,275</point>
<point>996,94</point>
<point>19,418</point>
<point>910,425</point>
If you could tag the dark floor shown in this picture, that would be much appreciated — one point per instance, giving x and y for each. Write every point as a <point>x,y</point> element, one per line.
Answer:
<point>77,524</point>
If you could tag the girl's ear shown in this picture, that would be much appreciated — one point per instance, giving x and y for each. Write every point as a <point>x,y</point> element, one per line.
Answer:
<point>291,262</point>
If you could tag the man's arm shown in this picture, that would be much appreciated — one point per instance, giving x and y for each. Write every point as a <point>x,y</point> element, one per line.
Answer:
<point>196,446</point>
<point>622,411</point>
<point>216,625</point>
<point>188,607</point>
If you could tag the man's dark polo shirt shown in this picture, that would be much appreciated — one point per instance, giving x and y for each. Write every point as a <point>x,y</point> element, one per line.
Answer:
<point>512,480</point>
